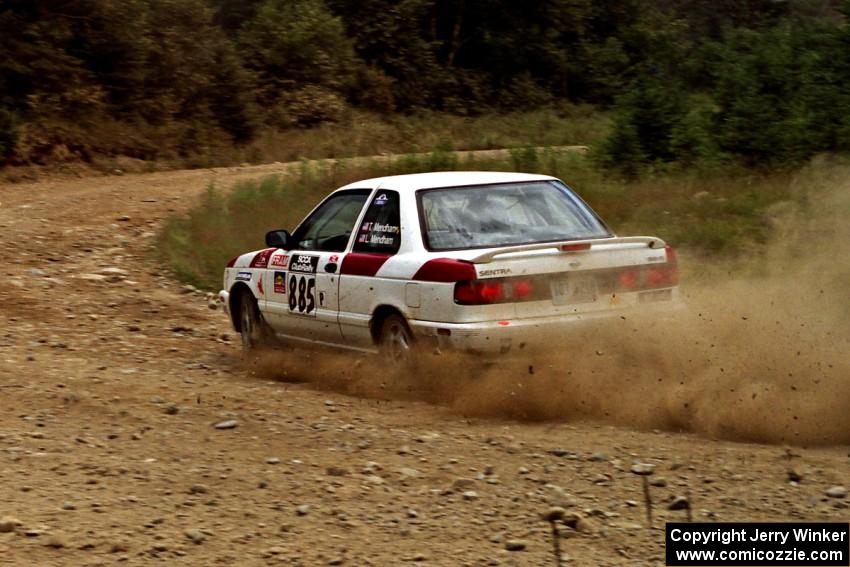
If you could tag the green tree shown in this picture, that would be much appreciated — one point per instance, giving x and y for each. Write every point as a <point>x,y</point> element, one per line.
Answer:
<point>303,61</point>
<point>648,116</point>
<point>396,39</point>
<point>35,39</point>
<point>292,43</point>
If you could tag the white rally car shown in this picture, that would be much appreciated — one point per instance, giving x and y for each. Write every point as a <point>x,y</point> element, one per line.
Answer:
<point>480,262</point>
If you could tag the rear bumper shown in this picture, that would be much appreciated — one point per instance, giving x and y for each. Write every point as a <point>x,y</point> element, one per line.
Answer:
<point>502,337</point>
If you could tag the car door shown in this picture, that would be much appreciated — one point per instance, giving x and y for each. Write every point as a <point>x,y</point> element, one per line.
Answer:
<point>303,302</point>
<point>379,237</point>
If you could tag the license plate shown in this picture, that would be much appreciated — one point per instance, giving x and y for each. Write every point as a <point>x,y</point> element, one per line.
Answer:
<point>573,289</point>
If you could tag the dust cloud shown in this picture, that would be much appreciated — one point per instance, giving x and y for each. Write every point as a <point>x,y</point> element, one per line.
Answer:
<point>760,353</point>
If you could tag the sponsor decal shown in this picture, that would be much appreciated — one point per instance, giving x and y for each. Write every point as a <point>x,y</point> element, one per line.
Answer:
<point>376,235</point>
<point>261,258</point>
<point>280,261</point>
<point>260,286</point>
<point>494,272</point>
<point>381,199</point>
<point>379,240</point>
<point>303,263</point>
<point>280,282</point>
<point>378,227</point>
<point>244,276</point>
<point>333,259</point>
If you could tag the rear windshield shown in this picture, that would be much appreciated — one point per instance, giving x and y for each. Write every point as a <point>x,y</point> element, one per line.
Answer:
<point>486,216</point>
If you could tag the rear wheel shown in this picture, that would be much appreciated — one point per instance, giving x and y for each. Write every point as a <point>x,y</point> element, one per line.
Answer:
<point>396,342</point>
<point>251,325</point>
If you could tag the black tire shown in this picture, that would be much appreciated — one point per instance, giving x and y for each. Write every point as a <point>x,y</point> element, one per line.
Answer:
<point>252,328</point>
<point>396,342</point>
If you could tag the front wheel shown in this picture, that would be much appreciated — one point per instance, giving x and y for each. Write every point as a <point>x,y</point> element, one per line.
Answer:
<point>396,342</point>
<point>251,324</point>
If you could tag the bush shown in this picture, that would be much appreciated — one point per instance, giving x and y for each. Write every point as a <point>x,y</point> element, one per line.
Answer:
<point>692,138</point>
<point>524,93</point>
<point>306,107</point>
<point>648,117</point>
<point>622,149</point>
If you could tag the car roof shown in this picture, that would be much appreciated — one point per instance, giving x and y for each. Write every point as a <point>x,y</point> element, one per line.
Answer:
<point>433,180</point>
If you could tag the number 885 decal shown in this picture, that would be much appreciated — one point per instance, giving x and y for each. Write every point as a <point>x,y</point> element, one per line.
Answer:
<point>302,293</point>
<point>302,284</point>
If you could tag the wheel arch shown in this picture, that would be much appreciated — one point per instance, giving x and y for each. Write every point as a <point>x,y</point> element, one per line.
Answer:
<point>235,304</point>
<point>380,313</point>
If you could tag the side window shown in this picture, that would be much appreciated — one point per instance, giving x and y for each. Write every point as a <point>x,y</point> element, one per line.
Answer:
<point>381,227</point>
<point>329,227</point>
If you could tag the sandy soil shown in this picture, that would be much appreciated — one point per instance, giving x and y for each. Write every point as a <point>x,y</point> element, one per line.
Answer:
<point>112,378</point>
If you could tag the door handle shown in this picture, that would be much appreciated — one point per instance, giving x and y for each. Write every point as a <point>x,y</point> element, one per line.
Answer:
<point>330,267</point>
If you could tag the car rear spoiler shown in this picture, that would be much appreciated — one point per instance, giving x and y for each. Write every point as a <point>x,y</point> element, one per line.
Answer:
<point>568,246</point>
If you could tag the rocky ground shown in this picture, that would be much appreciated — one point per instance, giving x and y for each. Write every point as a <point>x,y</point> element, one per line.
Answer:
<point>132,431</point>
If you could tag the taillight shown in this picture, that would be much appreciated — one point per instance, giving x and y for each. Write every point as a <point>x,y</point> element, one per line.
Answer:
<point>490,292</point>
<point>502,290</point>
<point>478,292</point>
<point>232,262</point>
<point>666,275</point>
<point>656,277</point>
<point>628,279</point>
<point>523,289</point>
<point>650,277</point>
<point>671,255</point>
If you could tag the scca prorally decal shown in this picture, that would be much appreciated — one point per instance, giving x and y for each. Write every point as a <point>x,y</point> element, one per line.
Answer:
<point>381,199</point>
<point>280,282</point>
<point>244,276</point>
<point>279,261</point>
<point>303,263</point>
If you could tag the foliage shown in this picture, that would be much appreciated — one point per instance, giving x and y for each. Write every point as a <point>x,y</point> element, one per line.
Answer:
<point>767,97</point>
<point>760,82</point>
<point>295,43</point>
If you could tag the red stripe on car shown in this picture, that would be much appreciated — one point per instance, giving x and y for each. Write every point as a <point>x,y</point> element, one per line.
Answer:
<point>261,258</point>
<point>446,270</point>
<point>362,264</point>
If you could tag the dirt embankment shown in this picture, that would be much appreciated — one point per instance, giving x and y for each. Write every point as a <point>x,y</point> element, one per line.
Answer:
<point>112,379</point>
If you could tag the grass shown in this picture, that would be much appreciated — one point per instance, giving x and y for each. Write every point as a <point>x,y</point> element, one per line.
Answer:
<point>711,215</point>
<point>107,145</point>
<point>367,134</point>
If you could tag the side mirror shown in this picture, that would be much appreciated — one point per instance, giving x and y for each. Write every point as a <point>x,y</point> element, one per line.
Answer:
<point>278,239</point>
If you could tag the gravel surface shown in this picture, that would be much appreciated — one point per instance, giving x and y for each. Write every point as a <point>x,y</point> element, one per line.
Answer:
<point>133,432</point>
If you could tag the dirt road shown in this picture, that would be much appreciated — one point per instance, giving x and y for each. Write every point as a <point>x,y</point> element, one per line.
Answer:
<point>112,378</point>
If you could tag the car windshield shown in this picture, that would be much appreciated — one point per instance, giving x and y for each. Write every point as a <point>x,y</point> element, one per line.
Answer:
<point>484,216</point>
